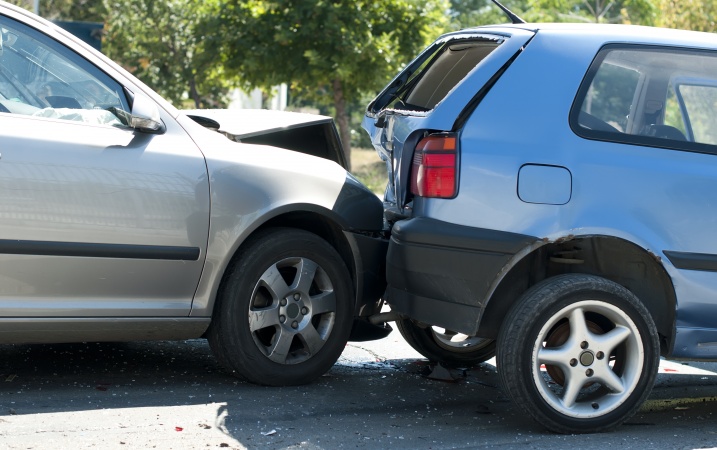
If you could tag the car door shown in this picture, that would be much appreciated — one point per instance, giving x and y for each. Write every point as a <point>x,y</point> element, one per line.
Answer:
<point>96,219</point>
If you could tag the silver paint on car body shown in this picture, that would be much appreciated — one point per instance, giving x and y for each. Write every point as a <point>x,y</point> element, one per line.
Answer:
<point>91,183</point>
<point>271,181</point>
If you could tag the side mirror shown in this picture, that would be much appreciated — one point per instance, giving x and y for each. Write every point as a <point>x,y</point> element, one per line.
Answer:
<point>145,115</point>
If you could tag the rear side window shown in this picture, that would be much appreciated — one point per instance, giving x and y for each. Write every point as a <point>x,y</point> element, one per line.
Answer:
<point>699,102</point>
<point>662,97</point>
<point>440,68</point>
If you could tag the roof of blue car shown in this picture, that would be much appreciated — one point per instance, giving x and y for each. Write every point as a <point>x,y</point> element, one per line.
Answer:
<point>614,32</point>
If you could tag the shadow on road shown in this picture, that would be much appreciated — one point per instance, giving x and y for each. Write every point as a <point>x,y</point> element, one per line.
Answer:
<point>371,404</point>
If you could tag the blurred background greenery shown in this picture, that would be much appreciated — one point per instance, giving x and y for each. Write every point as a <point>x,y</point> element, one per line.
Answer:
<point>334,55</point>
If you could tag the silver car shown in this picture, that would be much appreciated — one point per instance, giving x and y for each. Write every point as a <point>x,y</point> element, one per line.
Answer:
<point>122,218</point>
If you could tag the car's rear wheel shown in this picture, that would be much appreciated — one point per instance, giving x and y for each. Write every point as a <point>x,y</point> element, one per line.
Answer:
<point>579,353</point>
<point>445,346</point>
<point>284,309</point>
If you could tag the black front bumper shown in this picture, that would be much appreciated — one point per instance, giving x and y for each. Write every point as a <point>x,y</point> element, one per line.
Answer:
<point>370,261</point>
<point>441,274</point>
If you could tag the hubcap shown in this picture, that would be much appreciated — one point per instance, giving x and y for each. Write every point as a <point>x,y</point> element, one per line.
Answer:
<point>292,311</point>
<point>586,358</point>
<point>578,380</point>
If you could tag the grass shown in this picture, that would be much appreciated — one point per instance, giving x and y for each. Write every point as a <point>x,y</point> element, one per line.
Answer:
<point>369,169</point>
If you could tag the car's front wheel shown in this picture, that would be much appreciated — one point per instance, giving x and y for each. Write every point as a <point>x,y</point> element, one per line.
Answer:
<point>579,353</point>
<point>284,309</point>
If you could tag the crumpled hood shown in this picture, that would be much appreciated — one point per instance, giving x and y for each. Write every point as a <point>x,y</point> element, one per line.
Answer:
<point>245,123</point>
<point>306,133</point>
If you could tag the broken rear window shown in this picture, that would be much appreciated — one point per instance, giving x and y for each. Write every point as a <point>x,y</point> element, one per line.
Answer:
<point>430,78</point>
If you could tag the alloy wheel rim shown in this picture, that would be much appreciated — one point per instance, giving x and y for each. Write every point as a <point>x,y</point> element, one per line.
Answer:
<point>600,371</point>
<point>292,310</point>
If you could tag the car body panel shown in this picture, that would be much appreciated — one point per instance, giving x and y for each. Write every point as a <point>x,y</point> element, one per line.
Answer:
<point>96,185</point>
<point>657,197</point>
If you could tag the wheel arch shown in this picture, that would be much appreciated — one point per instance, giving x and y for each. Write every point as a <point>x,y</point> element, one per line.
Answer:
<point>311,218</point>
<point>327,228</point>
<point>615,259</point>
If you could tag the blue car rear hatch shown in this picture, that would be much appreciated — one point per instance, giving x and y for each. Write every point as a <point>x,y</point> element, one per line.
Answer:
<point>435,93</point>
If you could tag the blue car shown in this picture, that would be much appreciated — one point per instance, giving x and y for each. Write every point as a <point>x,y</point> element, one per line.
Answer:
<point>552,201</point>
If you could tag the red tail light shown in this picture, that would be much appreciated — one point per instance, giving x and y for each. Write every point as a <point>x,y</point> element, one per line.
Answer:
<point>434,172</point>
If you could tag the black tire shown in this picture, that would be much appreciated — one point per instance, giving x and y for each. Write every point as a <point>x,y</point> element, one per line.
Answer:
<point>443,346</point>
<point>598,345</point>
<point>284,310</point>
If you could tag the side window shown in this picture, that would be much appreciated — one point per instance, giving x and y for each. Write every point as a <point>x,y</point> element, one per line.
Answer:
<point>41,77</point>
<point>673,112</point>
<point>643,95</point>
<point>611,95</point>
<point>699,103</point>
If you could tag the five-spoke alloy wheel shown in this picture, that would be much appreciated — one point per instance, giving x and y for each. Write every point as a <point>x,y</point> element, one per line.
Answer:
<point>284,312</point>
<point>579,353</point>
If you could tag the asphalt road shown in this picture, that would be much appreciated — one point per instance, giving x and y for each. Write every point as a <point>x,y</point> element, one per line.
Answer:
<point>173,395</point>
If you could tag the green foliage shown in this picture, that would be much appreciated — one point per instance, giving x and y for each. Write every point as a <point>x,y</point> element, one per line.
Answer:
<point>311,43</point>
<point>698,15</point>
<point>160,42</point>
<point>472,13</point>
<point>643,12</point>
<point>76,10</point>
<point>324,49</point>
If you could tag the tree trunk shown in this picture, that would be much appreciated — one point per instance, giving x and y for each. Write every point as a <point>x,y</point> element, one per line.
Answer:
<point>193,94</point>
<point>342,120</point>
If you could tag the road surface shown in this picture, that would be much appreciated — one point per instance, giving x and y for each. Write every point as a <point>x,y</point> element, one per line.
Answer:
<point>173,395</point>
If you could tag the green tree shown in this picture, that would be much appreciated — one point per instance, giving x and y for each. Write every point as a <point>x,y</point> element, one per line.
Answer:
<point>643,12</point>
<point>77,10</point>
<point>323,48</point>
<point>472,13</point>
<point>159,42</point>
<point>697,15</point>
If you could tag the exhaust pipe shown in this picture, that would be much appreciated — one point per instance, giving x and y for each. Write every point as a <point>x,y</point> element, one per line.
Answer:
<point>382,318</point>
